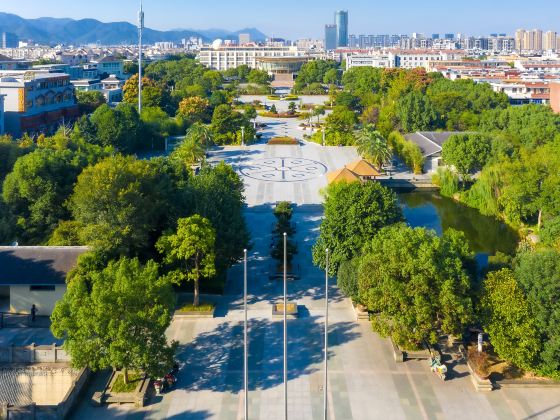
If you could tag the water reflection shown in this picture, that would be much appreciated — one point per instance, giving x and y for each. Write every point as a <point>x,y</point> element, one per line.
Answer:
<point>486,235</point>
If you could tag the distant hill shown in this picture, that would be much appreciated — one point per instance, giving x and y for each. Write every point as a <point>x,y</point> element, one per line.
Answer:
<point>87,31</point>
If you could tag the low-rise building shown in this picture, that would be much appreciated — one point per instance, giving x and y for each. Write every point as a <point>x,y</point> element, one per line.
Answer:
<point>555,96</point>
<point>431,145</point>
<point>371,60</point>
<point>111,65</point>
<point>35,275</point>
<point>112,89</point>
<point>222,57</point>
<point>36,102</point>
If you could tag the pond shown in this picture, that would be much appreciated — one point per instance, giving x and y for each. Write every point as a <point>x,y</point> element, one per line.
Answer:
<point>486,235</point>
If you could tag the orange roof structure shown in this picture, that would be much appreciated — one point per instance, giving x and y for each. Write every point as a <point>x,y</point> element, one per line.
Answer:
<point>342,175</point>
<point>363,168</point>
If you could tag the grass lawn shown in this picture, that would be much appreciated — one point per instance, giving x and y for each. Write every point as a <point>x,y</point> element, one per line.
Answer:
<point>202,307</point>
<point>133,379</point>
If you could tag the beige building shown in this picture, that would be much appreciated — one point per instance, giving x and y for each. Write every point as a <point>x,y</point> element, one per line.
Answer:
<point>550,41</point>
<point>35,275</point>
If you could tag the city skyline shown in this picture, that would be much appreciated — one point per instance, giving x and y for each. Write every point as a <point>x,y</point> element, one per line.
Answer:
<point>310,20</point>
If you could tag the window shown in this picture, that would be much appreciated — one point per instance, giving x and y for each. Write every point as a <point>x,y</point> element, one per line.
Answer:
<point>42,288</point>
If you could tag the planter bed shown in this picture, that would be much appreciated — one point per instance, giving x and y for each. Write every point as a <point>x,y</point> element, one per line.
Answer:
<point>136,397</point>
<point>291,312</point>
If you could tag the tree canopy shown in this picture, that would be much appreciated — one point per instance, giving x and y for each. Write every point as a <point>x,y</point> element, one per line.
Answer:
<point>117,317</point>
<point>416,284</point>
<point>354,213</point>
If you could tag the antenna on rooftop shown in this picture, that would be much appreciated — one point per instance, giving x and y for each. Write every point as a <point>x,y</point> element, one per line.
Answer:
<point>140,30</point>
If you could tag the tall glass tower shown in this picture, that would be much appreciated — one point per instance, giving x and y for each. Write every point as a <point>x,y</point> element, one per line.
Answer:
<point>341,22</point>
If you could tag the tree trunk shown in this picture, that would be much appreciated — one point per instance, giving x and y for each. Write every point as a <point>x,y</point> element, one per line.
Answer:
<point>539,222</point>
<point>125,375</point>
<point>196,301</point>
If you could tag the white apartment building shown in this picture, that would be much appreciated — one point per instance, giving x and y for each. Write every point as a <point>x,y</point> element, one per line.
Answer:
<point>36,102</point>
<point>370,60</point>
<point>221,57</point>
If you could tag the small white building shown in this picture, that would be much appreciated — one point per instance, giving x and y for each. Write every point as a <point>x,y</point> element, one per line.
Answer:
<point>35,275</point>
<point>222,57</point>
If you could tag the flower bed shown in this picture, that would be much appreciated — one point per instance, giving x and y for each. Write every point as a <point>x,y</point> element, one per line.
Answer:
<point>278,115</point>
<point>283,141</point>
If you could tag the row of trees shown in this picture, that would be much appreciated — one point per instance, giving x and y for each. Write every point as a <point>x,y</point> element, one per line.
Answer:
<point>418,285</point>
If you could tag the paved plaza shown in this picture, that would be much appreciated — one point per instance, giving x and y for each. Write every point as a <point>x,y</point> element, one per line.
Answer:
<point>364,381</point>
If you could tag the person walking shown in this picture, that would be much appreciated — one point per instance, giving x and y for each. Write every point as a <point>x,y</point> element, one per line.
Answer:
<point>33,312</point>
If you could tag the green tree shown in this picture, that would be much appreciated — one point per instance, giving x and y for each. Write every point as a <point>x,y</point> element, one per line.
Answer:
<point>226,125</point>
<point>259,77</point>
<point>468,153</point>
<point>416,113</point>
<point>416,283</point>
<point>38,187</point>
<point>347,278</point>
<point>89,101</point>
<point>292,107</point>
<point>507,318</point>
<point>119,128</point>
<point>192,249</point>
<point>218,196</point>
<point>273,109</point>
<point>354,213</point>
<point>117,317</point>
<point>373,146</point>
<point>190,151</point>
<point>538,274</point>
<point>122,204</point>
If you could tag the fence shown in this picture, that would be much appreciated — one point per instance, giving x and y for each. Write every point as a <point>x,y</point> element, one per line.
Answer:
<point>33,354</point>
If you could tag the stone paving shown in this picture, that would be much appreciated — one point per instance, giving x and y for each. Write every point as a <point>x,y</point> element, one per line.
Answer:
<point>364,381</point>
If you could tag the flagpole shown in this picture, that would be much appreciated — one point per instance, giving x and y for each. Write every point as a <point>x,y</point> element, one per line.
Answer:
<point>285,332</point>
<point>245,343</point>
<point>326,378</point>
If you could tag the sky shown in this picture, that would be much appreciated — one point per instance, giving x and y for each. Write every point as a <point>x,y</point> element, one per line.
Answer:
<point>306,18</point>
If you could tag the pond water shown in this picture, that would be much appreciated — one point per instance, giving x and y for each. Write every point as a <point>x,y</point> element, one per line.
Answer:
<point>486,235</point>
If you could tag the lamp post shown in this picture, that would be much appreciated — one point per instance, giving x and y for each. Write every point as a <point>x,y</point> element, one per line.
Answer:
<point>242,136</point>
<point>245,343</point>
<point>140,30</point>
<point>285,332</point>
<point>326,378</point>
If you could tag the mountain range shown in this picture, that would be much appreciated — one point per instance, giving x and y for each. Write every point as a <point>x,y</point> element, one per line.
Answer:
<point>52,31</point>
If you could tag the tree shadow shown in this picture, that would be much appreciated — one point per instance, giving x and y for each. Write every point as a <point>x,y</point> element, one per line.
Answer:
<point>214,359</point>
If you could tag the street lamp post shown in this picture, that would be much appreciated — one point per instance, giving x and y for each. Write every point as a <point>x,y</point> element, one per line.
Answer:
<point>326,378</point>
<point>323,136</point>
<point>245,343</point>
<point>285,332</point>
<point>242,136</point>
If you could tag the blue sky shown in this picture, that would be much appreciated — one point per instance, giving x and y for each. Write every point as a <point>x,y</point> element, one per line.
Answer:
<point>305,18</point>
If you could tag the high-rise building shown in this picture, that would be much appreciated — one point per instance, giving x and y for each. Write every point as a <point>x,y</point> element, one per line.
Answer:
<point>449,36</point>
<point>520,39</point>
<point>341,22</point>
<point>550,41</point>
<point>9,40</point>
<point>330,37</point>
<point>244,39</point>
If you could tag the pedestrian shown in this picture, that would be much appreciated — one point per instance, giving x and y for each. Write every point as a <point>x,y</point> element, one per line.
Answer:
<point>33,312</point>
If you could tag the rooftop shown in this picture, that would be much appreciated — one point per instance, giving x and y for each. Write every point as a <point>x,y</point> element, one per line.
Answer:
<point>430,142</point>
<point>37,265</point>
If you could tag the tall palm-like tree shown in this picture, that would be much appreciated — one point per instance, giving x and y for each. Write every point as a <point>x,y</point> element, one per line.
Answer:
<point>201,133</point>
<point>372,146</point>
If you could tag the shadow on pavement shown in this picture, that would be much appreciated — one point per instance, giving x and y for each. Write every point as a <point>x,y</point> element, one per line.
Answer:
<point>214,360</point>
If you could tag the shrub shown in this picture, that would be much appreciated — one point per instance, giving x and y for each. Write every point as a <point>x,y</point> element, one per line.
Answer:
<point>283,141</point>
<point>479,361</point>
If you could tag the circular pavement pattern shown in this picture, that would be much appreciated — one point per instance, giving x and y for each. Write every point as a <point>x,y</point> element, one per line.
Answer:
<point>284,169</point>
